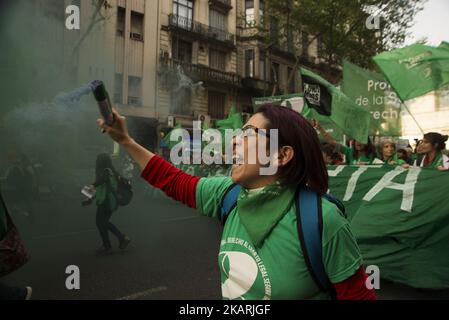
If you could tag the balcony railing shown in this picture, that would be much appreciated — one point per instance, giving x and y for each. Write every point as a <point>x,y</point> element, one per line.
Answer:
<point>226,4</point>
<point>203,30</point>
<point>257,84</point>
<point>199,72</point>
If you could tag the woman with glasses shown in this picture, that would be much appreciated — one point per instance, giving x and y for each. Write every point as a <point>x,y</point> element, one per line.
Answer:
<point>260,254</point>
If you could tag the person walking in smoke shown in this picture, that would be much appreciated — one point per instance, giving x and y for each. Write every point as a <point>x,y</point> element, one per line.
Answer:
<point>263,221</point>
<point>105,186</point>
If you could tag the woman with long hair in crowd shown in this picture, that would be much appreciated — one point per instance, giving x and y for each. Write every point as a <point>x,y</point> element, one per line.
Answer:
<point>431,147</point>
<point>106,199</point>
<point>260,254</point>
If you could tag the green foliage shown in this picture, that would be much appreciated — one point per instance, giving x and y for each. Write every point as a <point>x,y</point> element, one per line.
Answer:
<point>340,25</point>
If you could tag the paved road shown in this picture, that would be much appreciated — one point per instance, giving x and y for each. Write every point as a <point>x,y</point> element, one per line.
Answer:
<point>173,254</point>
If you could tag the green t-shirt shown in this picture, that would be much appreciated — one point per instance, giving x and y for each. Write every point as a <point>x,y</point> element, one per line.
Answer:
<point>277,269</point>
<point>104,193</point>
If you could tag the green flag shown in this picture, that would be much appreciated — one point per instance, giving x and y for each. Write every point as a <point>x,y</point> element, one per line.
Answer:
<point>400,220</point>
<point>415,70</point>
<point>326,101</point>
<point>444,45</point>
<point>233,121</point>
<point>372,92</point>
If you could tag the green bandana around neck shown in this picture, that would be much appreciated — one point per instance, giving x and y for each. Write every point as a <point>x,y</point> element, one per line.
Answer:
<point>260,212</point>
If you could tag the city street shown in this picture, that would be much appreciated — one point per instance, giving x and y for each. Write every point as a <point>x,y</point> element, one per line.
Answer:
<point>173,254</point>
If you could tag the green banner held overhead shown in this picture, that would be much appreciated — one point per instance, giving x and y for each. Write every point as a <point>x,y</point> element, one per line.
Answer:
<point>400,220</point>
<point>372,92</point>
<point>326,101</point>
<point>296,102</point>
<point>415,70</point>
<point>293,101</point>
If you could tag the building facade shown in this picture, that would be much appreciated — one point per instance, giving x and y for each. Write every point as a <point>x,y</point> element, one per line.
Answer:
<point>169,62</point>
<point>213,56</point>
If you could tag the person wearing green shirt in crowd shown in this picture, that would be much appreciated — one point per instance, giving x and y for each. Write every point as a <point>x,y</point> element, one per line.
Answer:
<point>388,154</point>
<point>107,203</point>
<point>359,154</point>
<point>432,146</point>
<point>260,254</point>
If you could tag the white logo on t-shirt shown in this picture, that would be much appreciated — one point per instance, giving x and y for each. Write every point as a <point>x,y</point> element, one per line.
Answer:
<point>241,273</point>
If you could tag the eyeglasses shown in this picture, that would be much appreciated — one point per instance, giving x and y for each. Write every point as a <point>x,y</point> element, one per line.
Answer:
<point>251,131</point>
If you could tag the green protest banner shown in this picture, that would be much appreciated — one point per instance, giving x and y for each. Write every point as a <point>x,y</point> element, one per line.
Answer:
<point>400,219</point>
<point>371,91</point>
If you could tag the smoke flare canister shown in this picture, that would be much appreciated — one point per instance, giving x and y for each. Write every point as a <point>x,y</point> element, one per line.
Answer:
<point>104,102</point>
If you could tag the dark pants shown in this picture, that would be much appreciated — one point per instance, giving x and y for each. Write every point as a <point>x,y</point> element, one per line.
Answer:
<point>12,293</point>
<point>104,226</point>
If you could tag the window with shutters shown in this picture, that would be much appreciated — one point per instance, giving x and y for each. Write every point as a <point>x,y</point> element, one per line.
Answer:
<point>249,63</point>
<point>217,60</point>
<point>262,63</point>
<point>183,13</point>
<point>118,87</point>
<point>121,16</point>
<point>217,102</point>
<point>218,20</point>
<point>136,26</point>
<point>250,18</point>
<point>182,50</point>
<point>275,72</point>
<point>134,91</point>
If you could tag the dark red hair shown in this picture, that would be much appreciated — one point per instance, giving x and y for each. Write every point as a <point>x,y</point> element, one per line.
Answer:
<point>307,165</point>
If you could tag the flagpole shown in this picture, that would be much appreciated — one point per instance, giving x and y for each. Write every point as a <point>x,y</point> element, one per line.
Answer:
<point>413,117</point>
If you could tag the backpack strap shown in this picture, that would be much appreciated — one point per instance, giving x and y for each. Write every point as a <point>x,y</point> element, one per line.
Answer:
<point>310,228</point>
<point>110,188</point>
<point>337,203</point>
<point>229,202</point>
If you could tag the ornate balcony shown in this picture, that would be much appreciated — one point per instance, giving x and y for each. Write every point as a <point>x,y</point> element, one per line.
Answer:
<point>206,32</point>
<point>257,87</point>
<point>198,73</point>
<point>221,4</point>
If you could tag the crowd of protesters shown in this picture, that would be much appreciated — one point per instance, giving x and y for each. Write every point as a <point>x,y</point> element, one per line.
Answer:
<point>429,152</point>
